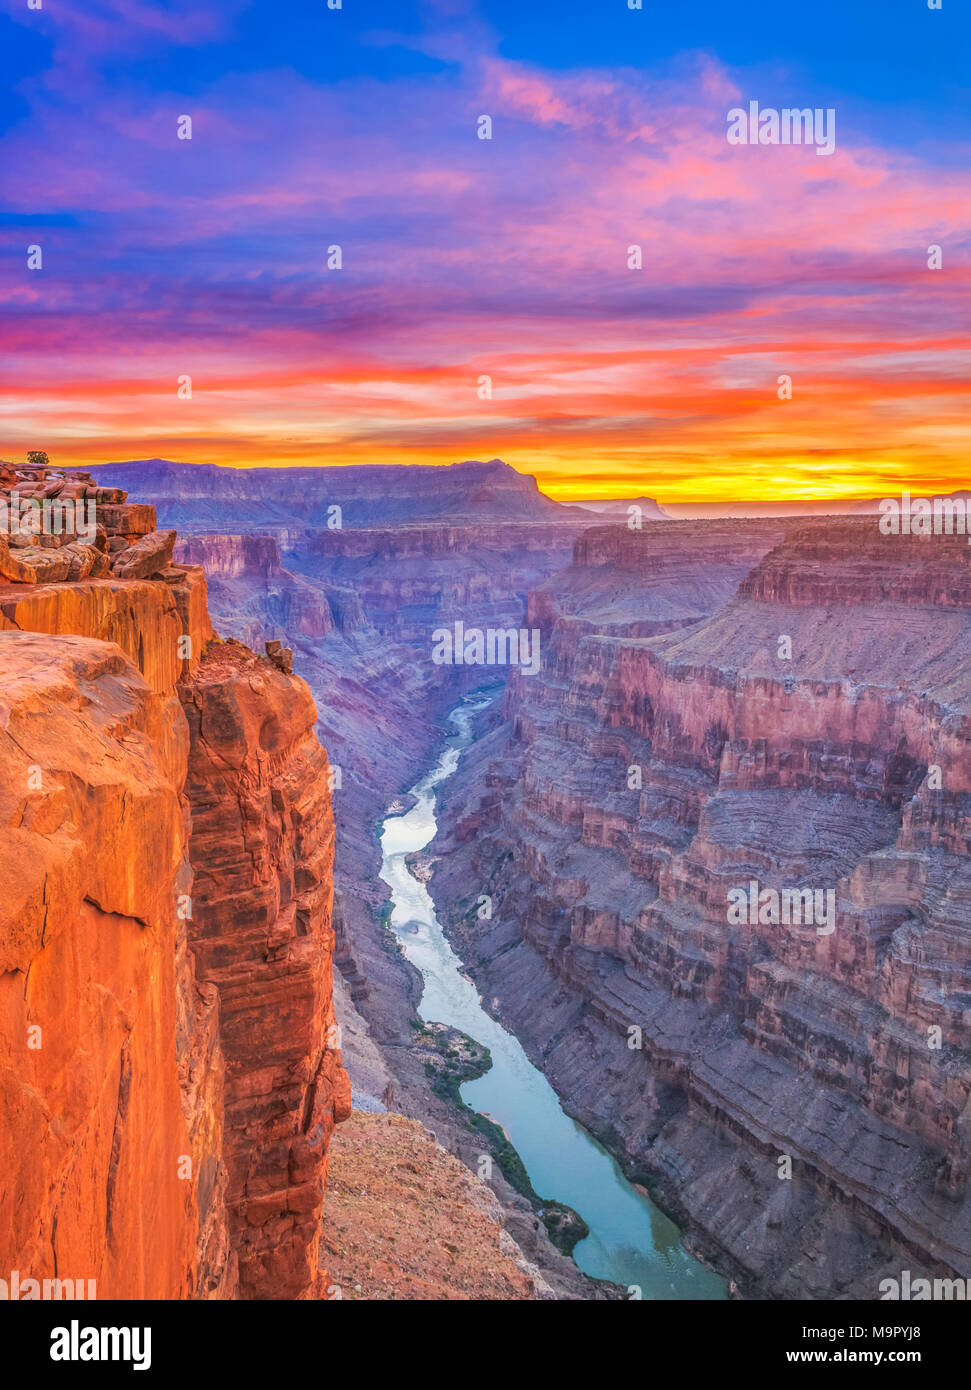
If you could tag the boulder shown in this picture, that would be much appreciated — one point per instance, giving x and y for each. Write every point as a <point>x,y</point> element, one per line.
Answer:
<point>85,561</point>
<point>281,656</point>
<point>14,568</point>
<point>146,557</point>
<point>49,566</point>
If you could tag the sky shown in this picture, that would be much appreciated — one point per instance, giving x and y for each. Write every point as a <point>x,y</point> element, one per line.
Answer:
<point>507,259</point>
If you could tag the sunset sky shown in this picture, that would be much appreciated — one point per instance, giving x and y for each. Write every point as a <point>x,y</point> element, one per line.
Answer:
<point>505,257</point>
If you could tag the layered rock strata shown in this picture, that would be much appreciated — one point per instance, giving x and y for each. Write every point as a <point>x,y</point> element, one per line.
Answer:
<point>798,1095</point>
<point>60,527</point>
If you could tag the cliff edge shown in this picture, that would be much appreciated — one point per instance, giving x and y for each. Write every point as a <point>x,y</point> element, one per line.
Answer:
<point>170,1074</point>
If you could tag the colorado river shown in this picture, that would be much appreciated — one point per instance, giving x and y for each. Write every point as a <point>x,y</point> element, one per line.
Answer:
<point>631,1242</point>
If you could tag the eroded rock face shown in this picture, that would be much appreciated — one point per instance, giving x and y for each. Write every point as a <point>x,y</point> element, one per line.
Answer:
<point>412,579</point>
<point>162,627</point>
<point>262,849</point>
<point>101,1153</point>
<point>642,778</point>
<point>169,1080</point>
<point>253,594</point>
<point>230,557</point>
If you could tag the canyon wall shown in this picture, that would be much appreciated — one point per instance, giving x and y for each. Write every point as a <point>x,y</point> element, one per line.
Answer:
<point>94,839</point>
<point>170,1070</point>
<point>255,598</point>
<point>798,1096</point>
<point>262,852</point>
<point>411,580</point>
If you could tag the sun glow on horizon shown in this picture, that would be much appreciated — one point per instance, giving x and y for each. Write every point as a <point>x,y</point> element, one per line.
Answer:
<point>464,262</point>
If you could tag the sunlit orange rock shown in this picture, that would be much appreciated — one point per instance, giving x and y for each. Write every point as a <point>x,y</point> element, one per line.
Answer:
<point>169,1073</point>
<point>93,1138</point>
<point>262,849</point>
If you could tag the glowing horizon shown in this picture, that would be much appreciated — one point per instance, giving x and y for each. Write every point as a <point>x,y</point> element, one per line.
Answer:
<point>505,258</point>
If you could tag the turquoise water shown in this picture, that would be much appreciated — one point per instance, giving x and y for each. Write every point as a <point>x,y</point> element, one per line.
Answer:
<point>630,1241</point>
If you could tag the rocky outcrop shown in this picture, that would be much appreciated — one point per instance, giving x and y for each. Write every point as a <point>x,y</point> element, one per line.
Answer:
<point>799,1096</point>
<point>161,627</point>
<point>148,556</point>
<point>170,1069</point>
<point>57,527</point>
<point>262,851</point>
<point>13,569</point>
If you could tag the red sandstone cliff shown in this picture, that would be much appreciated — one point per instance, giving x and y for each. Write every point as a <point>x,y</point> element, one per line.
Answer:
<point>262,850</point>
<point>170,1076</point>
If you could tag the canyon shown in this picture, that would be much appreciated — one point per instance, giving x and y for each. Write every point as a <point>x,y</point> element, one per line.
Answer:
<point>610,900</point>
<point>175,803</point>
<point>799,1101</point>
<point>780,699</point>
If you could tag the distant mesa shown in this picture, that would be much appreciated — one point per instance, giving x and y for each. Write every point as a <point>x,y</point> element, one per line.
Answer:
<point>872,504</point>
<point>818,506</point>
<point>205,497</point>
<point>619,507</point>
